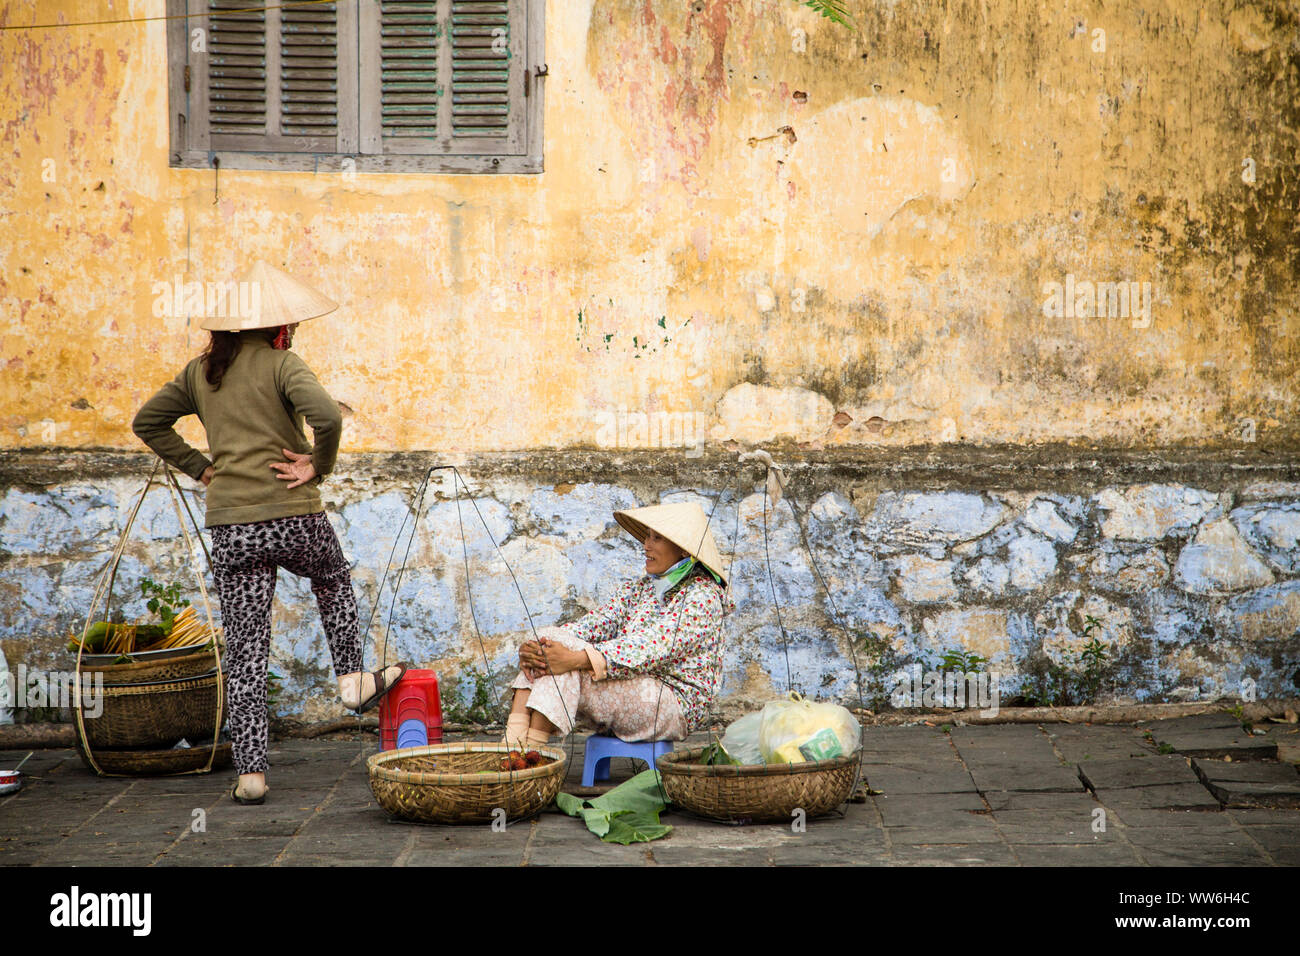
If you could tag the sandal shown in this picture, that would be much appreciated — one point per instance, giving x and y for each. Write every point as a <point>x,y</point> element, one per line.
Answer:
<point>381,688</point>
<point>246,801</point>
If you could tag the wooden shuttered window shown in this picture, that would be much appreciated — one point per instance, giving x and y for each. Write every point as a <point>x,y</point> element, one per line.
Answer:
<point>401,85</point>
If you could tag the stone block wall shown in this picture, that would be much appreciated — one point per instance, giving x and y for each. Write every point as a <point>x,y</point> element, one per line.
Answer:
<point>1190,569</point>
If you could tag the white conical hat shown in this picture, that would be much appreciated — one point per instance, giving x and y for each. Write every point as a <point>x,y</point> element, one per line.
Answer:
<point>276,299</point>
<point>685,525</point>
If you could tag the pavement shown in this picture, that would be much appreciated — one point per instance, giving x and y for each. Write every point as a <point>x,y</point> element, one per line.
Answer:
<point>1195,791</point>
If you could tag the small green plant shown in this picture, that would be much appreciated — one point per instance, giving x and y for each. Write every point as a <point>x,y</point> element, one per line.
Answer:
<point>1239,712</point>
<point>1077,680</point>
<point>1165,748</point>
<point>831,9</point>
<point>962,661</point>
<point>880,660</point>
<point>165,601</point>
<point>273,689</point>
<point>476,687</point>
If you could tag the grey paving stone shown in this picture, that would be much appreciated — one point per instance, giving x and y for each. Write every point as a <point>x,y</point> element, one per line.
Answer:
<point>1024,836</point>
<point>1251,783</point>
<point>661,853</point>
<point>1074,822</point>
<point>905,739</point>
<point>1216,736</point>
<point>1226,834</point>
<point>919,763</point>
<point>956,854</point>
<point>997,735</point>
<point>1136,816</point>
<point>1148,770</point>
<point>893,780</point>
<point>953,831</point>
<point>200,850</point>
<point>1041,778</point>
<point>912,810</point>
<point>1203,854</point>
<point>1078,743</point>
<point>1252,816</point>
<point>1166,796</point>
<point>830,856</point>
<point>1273,837</point>
<point>1081,802</point>
<point>1195,722</point>
<point>1286,855</point>
<point>1091,854</point>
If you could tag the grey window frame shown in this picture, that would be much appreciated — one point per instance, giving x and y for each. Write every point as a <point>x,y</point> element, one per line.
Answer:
<point>360,145</point>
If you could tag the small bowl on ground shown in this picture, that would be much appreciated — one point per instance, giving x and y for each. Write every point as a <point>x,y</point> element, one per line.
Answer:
<point>11,781</point>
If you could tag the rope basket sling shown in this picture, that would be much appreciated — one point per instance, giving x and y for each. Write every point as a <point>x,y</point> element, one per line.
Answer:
<point>457,783</point>
<point>152,707</point>
<point>763,793</point>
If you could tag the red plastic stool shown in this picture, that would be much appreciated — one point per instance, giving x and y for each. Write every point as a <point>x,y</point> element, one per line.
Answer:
<point>413,699</point>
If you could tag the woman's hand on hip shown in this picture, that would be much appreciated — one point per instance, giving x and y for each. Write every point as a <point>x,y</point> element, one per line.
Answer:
<point>298,470</point>
<point>206,477</point>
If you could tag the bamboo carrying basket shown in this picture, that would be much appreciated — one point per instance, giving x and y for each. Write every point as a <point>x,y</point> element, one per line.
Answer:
<point>196,664</point>
<point>156,714</point>
<point>144,710</point>
<point>145,763</point>
<point>442,783</point>
<point>761,793</point>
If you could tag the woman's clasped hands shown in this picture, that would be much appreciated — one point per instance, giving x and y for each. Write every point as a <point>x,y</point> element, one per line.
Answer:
<point>543,656</point>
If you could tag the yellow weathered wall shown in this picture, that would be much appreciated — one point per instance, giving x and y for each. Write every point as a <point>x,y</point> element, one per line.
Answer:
<point>883,257</point>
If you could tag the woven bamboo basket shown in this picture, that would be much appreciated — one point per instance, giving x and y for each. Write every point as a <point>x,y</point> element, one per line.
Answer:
<point>765,793</point>
<point>443,784</point>
<point>196,664</point>
<point>158,763</point>
<point>156,714</point>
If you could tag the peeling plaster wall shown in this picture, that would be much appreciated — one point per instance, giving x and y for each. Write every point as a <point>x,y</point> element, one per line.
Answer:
<point>870,217</point>
<point>755,228</point>
<point>1195,582</point>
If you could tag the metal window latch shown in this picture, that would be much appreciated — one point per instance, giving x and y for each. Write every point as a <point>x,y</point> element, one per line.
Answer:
<point>538,71</point>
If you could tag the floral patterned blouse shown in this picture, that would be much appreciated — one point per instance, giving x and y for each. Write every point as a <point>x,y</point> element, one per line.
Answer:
<point>680,642</point>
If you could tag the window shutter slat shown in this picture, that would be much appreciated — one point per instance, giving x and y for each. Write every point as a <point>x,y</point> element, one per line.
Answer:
<point>410,42</point>
<point>236,72</point>
<point>481,70</point>
<point>309,75</point>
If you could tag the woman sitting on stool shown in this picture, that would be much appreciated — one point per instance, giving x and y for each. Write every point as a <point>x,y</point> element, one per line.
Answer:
<point>646,665</point>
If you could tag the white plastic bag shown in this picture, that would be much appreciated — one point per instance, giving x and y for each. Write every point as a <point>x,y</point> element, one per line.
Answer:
<point>796,730</point>
<point>741,739</point>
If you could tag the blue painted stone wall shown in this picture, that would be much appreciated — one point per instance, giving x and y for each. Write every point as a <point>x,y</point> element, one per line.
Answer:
<point>1196,589</point>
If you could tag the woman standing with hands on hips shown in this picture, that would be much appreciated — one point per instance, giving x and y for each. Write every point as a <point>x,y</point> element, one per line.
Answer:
<point>264,506</point>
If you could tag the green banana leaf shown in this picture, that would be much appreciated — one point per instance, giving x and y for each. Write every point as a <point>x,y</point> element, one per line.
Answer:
<point>627,814</point>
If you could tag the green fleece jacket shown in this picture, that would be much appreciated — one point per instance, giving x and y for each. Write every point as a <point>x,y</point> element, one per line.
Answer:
<point>258,410</point>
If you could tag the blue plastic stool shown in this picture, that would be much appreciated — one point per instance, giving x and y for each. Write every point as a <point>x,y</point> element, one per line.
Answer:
<point>595,759</point>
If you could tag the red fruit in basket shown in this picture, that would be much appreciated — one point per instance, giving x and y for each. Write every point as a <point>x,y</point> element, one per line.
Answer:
<point>518,763</point>
<point>505,764</point>
<point>532,758</point>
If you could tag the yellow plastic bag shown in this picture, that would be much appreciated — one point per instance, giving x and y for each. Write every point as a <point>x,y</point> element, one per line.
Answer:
<point>796,730</point>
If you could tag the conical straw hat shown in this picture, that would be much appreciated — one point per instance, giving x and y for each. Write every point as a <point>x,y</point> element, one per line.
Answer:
<point>276,299</point>
<point>685,525</point>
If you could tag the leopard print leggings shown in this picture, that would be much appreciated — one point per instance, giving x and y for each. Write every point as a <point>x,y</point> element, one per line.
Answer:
<point>245,558</point>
